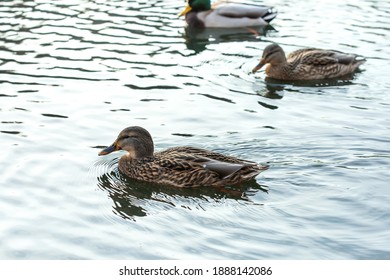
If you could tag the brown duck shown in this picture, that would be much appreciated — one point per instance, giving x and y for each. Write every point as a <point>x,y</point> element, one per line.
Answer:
<point>178,166</point>
<point>307,64</point>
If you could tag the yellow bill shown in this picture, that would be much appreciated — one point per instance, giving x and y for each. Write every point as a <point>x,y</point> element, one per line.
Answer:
<point>185,11</point>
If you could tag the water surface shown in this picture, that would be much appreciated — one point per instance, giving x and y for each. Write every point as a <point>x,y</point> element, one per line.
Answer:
<point>75,73</point>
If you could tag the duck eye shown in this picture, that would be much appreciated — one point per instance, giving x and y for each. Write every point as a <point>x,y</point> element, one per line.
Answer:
<point>128,136</point>
<point>271,52</point>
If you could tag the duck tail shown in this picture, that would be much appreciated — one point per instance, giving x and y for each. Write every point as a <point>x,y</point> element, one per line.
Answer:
<point>262,167</point>
<point>359,61</point>
<point>253,171</point>
<point>270,15</point>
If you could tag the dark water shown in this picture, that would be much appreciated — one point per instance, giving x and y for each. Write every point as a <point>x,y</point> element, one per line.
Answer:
<point>74,73</point>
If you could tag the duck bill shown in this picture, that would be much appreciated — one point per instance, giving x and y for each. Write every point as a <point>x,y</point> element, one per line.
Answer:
<point>108,150</point>
<point>258,66</point>
<point>185,11</point>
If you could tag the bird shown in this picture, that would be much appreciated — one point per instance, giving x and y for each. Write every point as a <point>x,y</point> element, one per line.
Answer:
<point>201,14</point>
<point>182,166</point>
<point>307,64</point>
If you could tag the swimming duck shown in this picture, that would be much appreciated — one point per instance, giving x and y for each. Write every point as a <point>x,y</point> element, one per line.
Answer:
<point>200,14</point>
<point>307,64</point>
<point>178,166</point>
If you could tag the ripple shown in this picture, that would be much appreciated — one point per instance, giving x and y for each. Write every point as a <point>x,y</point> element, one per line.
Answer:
<point>74,73</point>
<point>152,87</point>
<point>55,116</point>
<point>10,132</point>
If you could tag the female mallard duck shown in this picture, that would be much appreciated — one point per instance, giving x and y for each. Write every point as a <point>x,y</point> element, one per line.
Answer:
<point>178,166</point>
<point>200,14</point>
<point>307,64</point>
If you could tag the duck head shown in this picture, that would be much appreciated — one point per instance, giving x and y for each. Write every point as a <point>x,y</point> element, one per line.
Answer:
<point>196,5</point>
<point>272,54</point>
<point>134,139</point>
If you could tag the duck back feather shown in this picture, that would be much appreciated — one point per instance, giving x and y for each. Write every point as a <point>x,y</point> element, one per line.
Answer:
<point>190,167</point>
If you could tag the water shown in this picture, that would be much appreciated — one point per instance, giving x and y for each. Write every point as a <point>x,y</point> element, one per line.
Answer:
<point>75,73</point>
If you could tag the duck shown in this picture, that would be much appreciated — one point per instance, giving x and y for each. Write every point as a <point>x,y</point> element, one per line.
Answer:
<point>307,63</point>
<point>201,14</point>
<point>183,166</point>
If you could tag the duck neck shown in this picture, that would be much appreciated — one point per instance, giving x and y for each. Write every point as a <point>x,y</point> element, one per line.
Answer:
<point>140,148</point>
<point>142,151</point>
<point>133,158</point>
<point>279,70</point>
<point>193,20</point>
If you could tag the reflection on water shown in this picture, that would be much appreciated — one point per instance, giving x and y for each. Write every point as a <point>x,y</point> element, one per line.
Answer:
<point>274,88</point>
<point>343,81</point>
<point>198,39</point>
<point>73,73</point>
<point>132,198</point>
<point>272,91</point>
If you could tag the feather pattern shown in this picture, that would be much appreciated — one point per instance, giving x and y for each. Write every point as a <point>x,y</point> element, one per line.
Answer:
<point>307,64</point>
<point>200,14</point>
<point>179,166</point>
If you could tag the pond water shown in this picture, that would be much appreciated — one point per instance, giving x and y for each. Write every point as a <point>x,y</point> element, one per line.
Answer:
<point>74,73</point>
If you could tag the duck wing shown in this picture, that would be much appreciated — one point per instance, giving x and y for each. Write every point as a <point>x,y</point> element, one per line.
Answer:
<point>346,58</point>
<point>188,158</point>
<point>190,163</point>
<point>299,53</point>
<point>318,57</point>
<point>238,10</point>
<point>202,153</point>
<point>224,169</point>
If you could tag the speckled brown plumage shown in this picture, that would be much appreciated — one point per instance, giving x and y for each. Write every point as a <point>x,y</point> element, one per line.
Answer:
<point>178,166</point>
<point>307,64</point>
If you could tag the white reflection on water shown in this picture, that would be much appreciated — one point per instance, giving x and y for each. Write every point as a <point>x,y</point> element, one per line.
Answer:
<point>74,74</point>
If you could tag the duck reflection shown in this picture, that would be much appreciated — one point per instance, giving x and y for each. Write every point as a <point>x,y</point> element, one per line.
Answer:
<point>275,89</point>
<point>342,81</point>
<point>132,198</point>
<point>272,91</point>
<point>197,39</point>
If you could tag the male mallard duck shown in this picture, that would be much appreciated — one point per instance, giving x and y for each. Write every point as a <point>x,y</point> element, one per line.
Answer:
<point>200,14</point>
<point>178,166</point>
<point>307,64</point>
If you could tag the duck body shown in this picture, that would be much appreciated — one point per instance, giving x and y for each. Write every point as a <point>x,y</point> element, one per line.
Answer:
<point>200,14</point>
<point>307,64</point>
<point>190,167</point>
<point>178,166</point>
